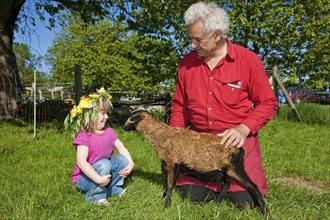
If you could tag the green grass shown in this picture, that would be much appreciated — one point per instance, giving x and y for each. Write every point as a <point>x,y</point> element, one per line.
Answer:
<point>35,177</point>
<point>310,113</point>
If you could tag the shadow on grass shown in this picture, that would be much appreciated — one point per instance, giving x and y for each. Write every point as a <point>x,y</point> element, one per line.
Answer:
<point>150,176</point>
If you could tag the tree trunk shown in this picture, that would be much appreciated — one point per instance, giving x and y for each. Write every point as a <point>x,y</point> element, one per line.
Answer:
<point>9,81</point>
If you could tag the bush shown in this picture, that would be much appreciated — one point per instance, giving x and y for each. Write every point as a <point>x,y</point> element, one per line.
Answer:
<point>312,114</point>
<point>159,114</point>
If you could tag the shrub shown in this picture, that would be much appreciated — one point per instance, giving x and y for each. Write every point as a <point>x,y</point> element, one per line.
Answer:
<point>312,114</point>
<point>159,114</point>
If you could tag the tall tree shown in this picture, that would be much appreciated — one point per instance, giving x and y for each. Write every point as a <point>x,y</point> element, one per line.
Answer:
<point>26,63</point>
<point>9,18</point>
<point>145,15</point>
<point>111,56</point>
<point>290,34</point>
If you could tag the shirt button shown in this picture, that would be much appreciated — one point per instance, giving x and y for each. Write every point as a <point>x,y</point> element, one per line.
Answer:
<point>210,108</point>
<point>210,122</point>
<point>210,93</point>
<point>211,78</point>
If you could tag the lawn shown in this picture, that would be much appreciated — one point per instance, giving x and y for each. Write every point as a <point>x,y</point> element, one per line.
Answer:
<point>35,177</point>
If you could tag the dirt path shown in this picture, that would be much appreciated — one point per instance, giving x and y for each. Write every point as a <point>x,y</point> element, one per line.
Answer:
<point>311,185</point>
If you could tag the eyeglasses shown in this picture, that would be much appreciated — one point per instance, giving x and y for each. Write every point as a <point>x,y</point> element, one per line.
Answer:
<point>198,41</point>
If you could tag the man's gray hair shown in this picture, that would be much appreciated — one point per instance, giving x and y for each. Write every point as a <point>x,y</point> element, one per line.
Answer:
<point>212,16</point>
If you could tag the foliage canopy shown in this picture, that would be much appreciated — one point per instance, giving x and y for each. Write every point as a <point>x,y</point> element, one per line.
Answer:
<point>290,34</point>
<point>26,63</point>
<point>112,56</point>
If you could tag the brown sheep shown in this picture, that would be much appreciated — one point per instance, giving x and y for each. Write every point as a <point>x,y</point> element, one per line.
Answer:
<point>201,152</point>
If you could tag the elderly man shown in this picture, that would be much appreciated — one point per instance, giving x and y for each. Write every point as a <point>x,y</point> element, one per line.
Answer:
<point>222,88</point>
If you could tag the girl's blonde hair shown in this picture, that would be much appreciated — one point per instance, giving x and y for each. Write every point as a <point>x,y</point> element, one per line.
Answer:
<point>82,116</point>
<point>105,106</point>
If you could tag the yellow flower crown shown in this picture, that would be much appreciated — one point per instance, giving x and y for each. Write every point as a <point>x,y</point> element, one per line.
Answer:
<point>80,116</point>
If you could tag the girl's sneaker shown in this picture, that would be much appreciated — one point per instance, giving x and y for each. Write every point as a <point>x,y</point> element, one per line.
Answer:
<point>102,202</point>
<point>122,193</point>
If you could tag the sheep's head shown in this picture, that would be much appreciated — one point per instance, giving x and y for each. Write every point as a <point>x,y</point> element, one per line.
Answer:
<point>134,120</point>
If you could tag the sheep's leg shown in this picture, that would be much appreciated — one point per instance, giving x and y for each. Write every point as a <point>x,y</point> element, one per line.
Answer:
<point>224,188</point>
<point>169,185</point>
<point>177,169</point>
<point>165,177</point>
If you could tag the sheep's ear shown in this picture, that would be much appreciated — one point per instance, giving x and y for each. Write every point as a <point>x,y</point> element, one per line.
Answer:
<point>135,119</point>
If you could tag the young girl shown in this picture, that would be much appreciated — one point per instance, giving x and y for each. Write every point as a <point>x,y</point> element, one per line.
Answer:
<point>97,173</point>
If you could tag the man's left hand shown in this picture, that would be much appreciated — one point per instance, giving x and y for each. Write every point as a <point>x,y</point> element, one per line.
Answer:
<point>234,136</point>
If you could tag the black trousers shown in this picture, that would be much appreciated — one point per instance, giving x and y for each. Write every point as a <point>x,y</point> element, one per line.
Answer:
<point>199,194</point>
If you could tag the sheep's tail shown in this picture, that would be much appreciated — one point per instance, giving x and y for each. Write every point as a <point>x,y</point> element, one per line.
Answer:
<point>238,173</point>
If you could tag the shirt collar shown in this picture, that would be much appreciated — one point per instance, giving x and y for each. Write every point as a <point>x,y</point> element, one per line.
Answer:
<point>230,49</point>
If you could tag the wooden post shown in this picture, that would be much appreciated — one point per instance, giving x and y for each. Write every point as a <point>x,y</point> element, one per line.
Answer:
<point>52,93</point>
<point>41,98</point>
<point>77,83</point>
<point>275,89</point>
<point>286,94</point>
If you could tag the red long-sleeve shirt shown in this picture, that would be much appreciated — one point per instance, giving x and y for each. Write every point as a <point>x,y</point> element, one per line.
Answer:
<point>236,91</point>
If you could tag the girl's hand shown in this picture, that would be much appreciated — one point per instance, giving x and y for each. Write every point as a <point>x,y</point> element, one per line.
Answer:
<point>104,180</point>
<point>126,171</point>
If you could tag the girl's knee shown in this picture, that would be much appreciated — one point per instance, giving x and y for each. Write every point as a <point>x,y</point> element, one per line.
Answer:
<point>102,166</point>
<point>123,159</point>
<point>119,161</point>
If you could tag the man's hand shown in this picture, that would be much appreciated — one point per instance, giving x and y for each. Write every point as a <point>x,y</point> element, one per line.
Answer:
<point>234,136</point>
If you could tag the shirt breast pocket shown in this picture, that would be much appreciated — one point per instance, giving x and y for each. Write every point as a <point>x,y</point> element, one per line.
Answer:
<point>231,92</point>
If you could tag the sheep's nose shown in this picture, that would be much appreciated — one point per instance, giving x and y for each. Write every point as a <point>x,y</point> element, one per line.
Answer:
<point>126,126</point>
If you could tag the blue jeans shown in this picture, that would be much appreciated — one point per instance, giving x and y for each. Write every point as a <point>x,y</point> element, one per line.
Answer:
<point>95,192</point>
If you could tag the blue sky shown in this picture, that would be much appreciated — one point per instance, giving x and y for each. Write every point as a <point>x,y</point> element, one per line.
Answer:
<point>38,40</point>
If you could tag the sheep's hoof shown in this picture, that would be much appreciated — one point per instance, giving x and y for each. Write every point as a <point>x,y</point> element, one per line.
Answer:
<point>167,204</point>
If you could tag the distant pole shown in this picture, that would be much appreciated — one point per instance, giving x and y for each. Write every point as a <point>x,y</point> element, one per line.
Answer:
<point>77,83</point>
<point>34,103</point>
<point>285,93</point>
<point>275,87</point>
